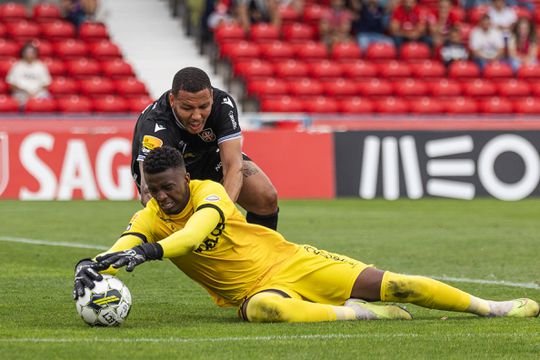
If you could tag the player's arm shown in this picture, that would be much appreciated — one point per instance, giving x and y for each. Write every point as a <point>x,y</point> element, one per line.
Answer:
<point>231,159</point>
<point>145,193</point>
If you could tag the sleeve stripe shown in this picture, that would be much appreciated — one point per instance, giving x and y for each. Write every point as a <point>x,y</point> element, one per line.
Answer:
<point>229,137</point>
<point>139,235</point>
<point>213,207</point>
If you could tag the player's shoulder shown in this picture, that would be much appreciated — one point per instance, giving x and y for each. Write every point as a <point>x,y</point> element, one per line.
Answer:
<point>222,99</point>
<point>158,111</point>
<point>204,186</point>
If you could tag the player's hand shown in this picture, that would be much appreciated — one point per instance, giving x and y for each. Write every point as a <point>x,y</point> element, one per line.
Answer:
<point>86,272</point>
<point>132,257</point>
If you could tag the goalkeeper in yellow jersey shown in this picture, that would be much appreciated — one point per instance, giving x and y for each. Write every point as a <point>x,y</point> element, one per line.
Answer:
<point>196,226</point>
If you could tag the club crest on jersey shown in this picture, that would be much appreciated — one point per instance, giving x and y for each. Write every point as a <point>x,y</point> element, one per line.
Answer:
<point>212,198</point>
<point>150,143</point>
<point>207,135</point>
<point>228,101</point>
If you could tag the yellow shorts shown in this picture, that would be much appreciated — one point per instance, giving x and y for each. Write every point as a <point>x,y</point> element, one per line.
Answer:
<point>315,275</point>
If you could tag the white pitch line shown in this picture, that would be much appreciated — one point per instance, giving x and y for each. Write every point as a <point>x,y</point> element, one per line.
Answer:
<point>528,285</point>
<point>254,338</point>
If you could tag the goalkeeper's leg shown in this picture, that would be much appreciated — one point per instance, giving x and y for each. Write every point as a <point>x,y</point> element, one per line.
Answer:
<point>375,285</point>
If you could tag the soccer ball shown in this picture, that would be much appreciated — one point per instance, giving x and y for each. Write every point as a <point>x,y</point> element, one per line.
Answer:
<point>107,304</point>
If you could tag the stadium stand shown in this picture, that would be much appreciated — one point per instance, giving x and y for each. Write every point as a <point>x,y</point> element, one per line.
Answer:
<point>89,72</point>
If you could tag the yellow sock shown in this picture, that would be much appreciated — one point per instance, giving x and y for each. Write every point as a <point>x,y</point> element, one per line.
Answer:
<point>272,307</point>
<point>429,293</point>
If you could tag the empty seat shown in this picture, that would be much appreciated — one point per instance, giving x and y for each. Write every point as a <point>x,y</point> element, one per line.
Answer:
<point>513,88</point>
<point>355,105</point>
<point>346,50</point>
<point>137,104</point>
<point>104,49</point>
<point>478,88</point>
<point>93,31</point>
<point>130,87</point>
<point>391,105</point>
<point>291,68</point>
<point>496,105</point>
<point>8,48</point>
<point>281,104</point>
<point>8,104</point>
<point>428,69</point>
<point>463,69</point>
<point>298,32</point>
<point>83,67</point>
<point>45,48</point>
<point>498,70</point>
<point>239,50</point>
<point>313,13</point>
<point>444,87</point>
<point>415,50</point>
<point>264,32</point>
<point>70,49</point>
<point>288,14</point>
<point>320,105</point>
<point>310,50</point>
<point>305,87</point>
<point>40,105</point>
<point>530,71</point>
<point>110,104</point>
<point>74,104</point>
<point>410,87</point>
<point>267,86</point>
<point>61,86</point>
<point>44,12</point>
<point>58,29</point>
<point>4,87</point>
<point>5,65</point>
<point>460,105</point>
<point>253,68</point>
<point>528,105</point>
<point>23,30</point>
<point>12,12</point>
<point>55,66</point>
<point>229,32</point>
<point>375,87</point>
<point>340,87</point>
<point>425,105</point>
<point>380,51</point>
<point>96,86</point>
<point>116,68</point>
<point>393,69</point>
<point>276,50</point>
<point>359,69</point>
<point>322,69</point>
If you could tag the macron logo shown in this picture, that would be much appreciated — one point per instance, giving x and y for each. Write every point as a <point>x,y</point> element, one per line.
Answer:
<point>159,127</point>
<point>228,102</point>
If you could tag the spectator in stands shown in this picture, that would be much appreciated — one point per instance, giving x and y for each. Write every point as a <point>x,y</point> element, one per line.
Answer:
<point>220,15</point>
<point>255,11</point>
<point>409,23</point>
<point>486,42</point>
<point>523,44</point>
<point>335,25</point>
<point>453,48</point>
<point>370,23</point>
<point>79,11</point>
<point>502,16</point>
<point>28,77</point>
<point>440,21</point>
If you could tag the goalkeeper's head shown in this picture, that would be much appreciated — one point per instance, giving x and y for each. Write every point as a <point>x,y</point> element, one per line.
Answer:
<point>167,179</point>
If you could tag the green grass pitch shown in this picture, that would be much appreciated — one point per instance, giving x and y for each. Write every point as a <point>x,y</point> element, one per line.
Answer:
<point>173,318</point>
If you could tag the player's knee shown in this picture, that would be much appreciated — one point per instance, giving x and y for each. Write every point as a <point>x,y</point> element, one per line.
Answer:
<point>269,199</point>
<point>266,307</point>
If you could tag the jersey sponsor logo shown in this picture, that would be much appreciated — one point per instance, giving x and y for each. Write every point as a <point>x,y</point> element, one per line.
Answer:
<point>207,135</point>
<point>212,239</point>
<point>159,127</point>
<point>212,198</point>
<point>4,162</point>
<point>233,120</point>
<point>150,143</point>
<point>228,101</point>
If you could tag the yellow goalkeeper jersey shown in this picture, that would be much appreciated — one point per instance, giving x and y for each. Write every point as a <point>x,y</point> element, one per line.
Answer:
<point>233,259</point>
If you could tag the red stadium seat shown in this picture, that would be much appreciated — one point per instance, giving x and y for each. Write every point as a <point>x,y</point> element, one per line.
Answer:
<point>513,88</point>
<point>527,72</point>
<point>8,104</point>
<point>410,88</point>
<point>498,70</point>
<point>428,69</point>
<point>61,86</point>
<point>110,104</point>
<point>9,48</point>
<point>320,105</point>
<point>276,50</point>
<point>253,68</point>
<point>44,12</point>
<point>93,31</point>
<point>391,105</point>
<point>375,87</point>
<point>58,29</point>
<point>323,69</point>
<point>444,87</point>
<point>74,104</point>
<point>528,105</point>
<point>479,88</point>
<point>281,104</point>
<point>137,104</point>
<point>23,30</point>
<point>425,105</point>
<point>288,14</point>
<point>298,32</point>
<point>460,105</point>
<point>463,69</point>
<point>268,86</point>
<point>394,69</point>
<point>291,68</point>
<point>3,31</point>
<point>96,86</point>
<point>55,66</point>
<point>356,105</point>
<point>4,87</point>
<point>12,12</point>
<point>242,49</point>
<point>5,65</point>
<point>496,105</point>
<point>348,50</point>
<point>359,69</point>
<point>310,50</point>
<point>415,50</point>
<point>535,88</point>
<point>264,32</point>
<point>116,68</point>
<point>130,87</point>
<point>340,87</point>
<point>380,51</point>
<point>229,32</point>
<point>305,87</point>
<point>45,48</point>
<point>40,105</point>
<point>83,67</point>
<point>313,13</point>
<point>105,49</point>
<point>475,14</point>
<point>70,49</point>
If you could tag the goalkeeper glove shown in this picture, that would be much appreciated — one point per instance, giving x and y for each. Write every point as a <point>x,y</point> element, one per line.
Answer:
<point>132,257</point>
<point>86,272</point>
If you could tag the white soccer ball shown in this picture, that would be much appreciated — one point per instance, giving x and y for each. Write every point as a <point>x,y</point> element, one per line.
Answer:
<point>107,304</point>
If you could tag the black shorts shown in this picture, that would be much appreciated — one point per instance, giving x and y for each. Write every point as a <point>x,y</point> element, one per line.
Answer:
<point>209,167</point>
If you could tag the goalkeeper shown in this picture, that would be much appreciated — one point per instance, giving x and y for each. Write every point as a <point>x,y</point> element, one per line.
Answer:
<point>197,226</point>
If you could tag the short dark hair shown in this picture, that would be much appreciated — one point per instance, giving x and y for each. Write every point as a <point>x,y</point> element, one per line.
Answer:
<point>28,45</point>
<point>190,79</point>
<point>163,158</point>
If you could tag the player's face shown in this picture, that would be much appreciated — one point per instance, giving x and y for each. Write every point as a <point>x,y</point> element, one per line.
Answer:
<point>170,188</point>
<point>192,109</point>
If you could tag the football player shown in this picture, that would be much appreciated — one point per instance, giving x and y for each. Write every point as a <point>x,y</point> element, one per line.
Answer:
<point>196,225</point>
